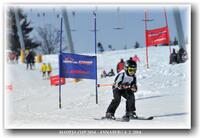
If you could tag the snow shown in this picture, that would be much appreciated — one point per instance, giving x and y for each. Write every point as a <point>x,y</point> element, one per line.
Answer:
<point>164,92</point>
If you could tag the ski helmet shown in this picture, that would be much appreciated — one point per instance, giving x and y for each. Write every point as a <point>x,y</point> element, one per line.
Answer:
<point>130,67</point>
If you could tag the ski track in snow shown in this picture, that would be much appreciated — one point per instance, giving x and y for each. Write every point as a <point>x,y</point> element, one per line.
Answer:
<point>163,92</point>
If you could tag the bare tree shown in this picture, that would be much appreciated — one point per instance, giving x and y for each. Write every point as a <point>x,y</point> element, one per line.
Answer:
<point>50,39</point>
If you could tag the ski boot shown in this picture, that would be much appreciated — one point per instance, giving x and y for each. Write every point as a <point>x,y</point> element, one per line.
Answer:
<point>109,116</point>
<point>126,118</point>
<point>133,115</point>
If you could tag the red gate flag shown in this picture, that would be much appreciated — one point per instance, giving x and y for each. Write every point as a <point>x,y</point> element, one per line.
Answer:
<point>10,87</point>
<point>157,36</point>
<point>55,80</point>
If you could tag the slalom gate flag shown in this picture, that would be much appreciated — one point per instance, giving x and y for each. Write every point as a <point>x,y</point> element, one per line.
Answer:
<point>77,66</point>
<point>157,36</point>
<point>10,88</point>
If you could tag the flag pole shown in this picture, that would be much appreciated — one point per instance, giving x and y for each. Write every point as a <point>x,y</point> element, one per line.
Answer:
<point>145,21</point>
<point>166,22</point>
<point>95,41</point>
<point>60,68</point>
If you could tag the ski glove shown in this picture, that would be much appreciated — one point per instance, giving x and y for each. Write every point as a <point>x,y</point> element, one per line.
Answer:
<point>124,86</point>
<point>134,88</point>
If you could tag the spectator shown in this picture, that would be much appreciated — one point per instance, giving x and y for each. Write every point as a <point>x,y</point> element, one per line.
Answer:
<point>182,55</point>
<point>17,57</point>
<point>29,59</point>
<point>173,57</point>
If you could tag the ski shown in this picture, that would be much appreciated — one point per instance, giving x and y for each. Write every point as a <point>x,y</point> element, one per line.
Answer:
<point>135,118</point>
<point>142,118</point>
<point>122,120</point>
<point>104,118</point>
<point>107,119</point>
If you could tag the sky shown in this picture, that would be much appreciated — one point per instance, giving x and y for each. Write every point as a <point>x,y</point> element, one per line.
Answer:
<point>129,17</point>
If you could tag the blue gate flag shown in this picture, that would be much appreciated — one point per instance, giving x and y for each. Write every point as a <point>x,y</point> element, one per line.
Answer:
<point>77,66</point>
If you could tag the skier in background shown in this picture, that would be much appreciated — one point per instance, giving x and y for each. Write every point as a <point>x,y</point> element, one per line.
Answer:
<point>124,86</point>
<point>120,65</point>
<point>136,58</point>
<point>111,73</point>
<point>103,74</point>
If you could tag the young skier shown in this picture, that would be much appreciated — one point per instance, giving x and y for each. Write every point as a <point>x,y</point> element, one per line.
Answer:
<point>124,86</point>
<point>43,69</point>
<point>49,70</point>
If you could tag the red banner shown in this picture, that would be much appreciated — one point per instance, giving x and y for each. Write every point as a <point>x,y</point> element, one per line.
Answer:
<point>55,80</point>
<point>157,36</point>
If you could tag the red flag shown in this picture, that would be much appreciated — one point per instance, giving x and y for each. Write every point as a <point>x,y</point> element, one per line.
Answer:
<point>55,80</point>
<point>10,87</point>
<point>157,36</point>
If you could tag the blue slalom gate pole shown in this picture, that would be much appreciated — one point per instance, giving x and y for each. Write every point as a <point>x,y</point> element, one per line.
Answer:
<point>95,40</point>
<point>60,68</point>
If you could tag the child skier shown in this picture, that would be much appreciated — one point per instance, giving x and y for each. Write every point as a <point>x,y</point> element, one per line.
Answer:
<point>125,86</point>
<point>43,69</point>
<point>49,69</point>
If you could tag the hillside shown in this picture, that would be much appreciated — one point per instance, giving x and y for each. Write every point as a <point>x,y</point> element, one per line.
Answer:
<point>164,92</point>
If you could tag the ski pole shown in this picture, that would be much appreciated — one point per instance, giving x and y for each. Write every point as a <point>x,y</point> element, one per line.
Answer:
<point>104,85</point>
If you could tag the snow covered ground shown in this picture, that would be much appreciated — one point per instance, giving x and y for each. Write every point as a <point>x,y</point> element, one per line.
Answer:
<point>164,92</point>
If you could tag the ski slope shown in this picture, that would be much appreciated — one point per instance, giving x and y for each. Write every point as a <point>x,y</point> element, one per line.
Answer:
<point>163,92</point>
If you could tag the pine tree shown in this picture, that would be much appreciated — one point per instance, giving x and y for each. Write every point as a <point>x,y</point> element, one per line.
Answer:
<point>100,47</point>
<point>137,45</point>
<point>110,47</point>
<point>13,38</point>
<point>125,47</point>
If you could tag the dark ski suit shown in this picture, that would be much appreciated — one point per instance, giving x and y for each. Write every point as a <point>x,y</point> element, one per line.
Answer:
<point>121,80</point>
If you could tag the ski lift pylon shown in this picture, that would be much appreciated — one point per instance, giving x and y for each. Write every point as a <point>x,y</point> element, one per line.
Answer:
<point>118,20</point>
<point>73,21</point>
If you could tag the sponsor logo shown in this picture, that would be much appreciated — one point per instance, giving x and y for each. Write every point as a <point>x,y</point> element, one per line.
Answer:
<point>160,39</point>
<point>157,33</point>
<point>70,60</point>
<point>77,72</point>
<point>86,62</point>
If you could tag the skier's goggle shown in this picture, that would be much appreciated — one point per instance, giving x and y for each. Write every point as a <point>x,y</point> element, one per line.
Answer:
<point>131,70</point>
